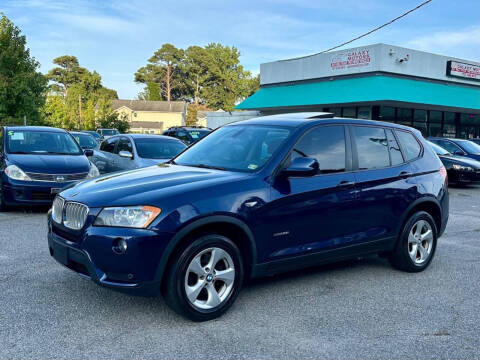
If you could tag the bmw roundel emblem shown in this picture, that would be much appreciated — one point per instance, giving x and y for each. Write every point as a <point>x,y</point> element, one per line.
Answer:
<point>209,277</point>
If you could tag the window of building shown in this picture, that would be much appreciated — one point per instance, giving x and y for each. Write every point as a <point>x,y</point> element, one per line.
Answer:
<point>372,147</point>
<point>449,129</point>
<point>387,113</point>
<point>364,112</point>
<point>337,111</point>
<point>327,145</point>
<point>435,123</point>
<point>395,153</point>
<point>404,116</point>
<point>349,112</point>
<point>410,146</point>
<point>420,121</point>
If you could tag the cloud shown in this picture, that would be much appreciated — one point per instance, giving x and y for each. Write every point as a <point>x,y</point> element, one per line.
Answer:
<point>461,43</point>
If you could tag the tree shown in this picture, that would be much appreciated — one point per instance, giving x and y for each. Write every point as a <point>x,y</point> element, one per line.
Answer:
<point>164,69</point>
<point>115,121</point>
<point>152,92</point>
<point>68,72</point>
<point>22,87</point>
<point>195,67</point>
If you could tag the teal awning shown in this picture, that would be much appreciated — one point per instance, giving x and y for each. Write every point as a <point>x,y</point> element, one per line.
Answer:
<point>364,89</point>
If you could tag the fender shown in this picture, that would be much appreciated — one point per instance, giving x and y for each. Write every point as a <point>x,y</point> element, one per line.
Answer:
<point>422,200</point>
<point>195,225</point>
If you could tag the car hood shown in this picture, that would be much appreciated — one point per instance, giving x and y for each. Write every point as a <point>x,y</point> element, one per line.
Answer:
<point>461,160</point>
<point>149,162</point>
<point>146,186</point>
<point>50,164</point>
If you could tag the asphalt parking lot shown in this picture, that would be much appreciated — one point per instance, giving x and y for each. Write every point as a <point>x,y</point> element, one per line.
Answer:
<point>360,309</point>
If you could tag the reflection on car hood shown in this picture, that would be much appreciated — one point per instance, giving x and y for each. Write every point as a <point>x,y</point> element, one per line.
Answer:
<point>461,160</point>
<point>146,186</point>
<point>50,164</point>
<point>144,162</point>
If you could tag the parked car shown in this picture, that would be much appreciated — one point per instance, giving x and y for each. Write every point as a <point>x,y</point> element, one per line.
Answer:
<point>476,141</point>
<point>187,134</point>
<point>254,198</point>
<point>460,147</point>
<point>38,162</point>
<point>133,151</point>
<point>460,169</point>
<point>95,134</point>
<point>86,141</point>
<point>106,133</point>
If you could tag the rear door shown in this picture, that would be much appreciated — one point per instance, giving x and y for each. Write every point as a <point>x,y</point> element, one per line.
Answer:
<point>382,179</point>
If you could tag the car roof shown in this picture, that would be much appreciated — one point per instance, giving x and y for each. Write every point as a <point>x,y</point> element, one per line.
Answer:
<point>311,119</point>
<point>34,128</point>
<point>148,136</point>
<point>80,133</point>
<point>445,138</point>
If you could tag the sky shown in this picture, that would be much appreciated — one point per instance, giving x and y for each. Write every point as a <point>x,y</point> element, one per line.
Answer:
<point>116,37</point>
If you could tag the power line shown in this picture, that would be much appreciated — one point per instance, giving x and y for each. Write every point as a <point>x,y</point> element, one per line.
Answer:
<point>377,28</point>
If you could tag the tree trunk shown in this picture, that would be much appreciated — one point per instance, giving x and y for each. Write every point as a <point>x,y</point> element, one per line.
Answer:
<point>168,82</point>
<point>197,91</point>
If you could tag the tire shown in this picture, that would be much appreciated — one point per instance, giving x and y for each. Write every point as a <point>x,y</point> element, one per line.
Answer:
<point>194,261</point>
<point>417,243</point>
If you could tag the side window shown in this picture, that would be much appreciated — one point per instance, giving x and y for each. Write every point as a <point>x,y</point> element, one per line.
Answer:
<point>372,147</point>
<point>450,147</point>
<point>410,146</point>
<point>395,153</point>
<point>182,135</point>
<point>124,145</point>
<point>109,145</point>
<point>327,145</point>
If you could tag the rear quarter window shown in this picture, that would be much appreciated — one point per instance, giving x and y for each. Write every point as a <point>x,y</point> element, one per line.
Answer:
<point>410,146</point>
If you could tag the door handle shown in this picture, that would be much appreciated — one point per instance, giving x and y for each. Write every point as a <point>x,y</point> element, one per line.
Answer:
<point>405,174</point>
<point>345,184</point>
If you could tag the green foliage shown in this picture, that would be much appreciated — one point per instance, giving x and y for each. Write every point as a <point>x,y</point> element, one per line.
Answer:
<point>210,75</point>
<point>115,121</point>
<point>76,93</point>
<point>22,87</point>
<point>152,92</point>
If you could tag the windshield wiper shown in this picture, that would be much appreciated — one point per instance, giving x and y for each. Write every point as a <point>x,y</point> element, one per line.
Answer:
<point>204,166</point>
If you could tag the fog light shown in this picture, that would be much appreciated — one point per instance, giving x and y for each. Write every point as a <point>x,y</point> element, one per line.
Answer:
<point>119,246</point>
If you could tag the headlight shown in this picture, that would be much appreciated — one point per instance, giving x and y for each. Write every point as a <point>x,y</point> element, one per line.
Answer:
<point>15,173</point>
<point>462,168</point>
<point>130,216</point>
<point>93,172</point>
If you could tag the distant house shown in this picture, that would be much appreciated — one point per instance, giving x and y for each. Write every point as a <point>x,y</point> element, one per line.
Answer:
<point>151,117</point>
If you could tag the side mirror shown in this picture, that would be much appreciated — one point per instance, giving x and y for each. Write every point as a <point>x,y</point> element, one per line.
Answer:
<point>302,166</point>
<point>88,152</point>
<point>125,154</point>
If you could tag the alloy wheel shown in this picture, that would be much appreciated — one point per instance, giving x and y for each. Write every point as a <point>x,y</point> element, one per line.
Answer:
<point>209,278</point>
<point>420,242</point>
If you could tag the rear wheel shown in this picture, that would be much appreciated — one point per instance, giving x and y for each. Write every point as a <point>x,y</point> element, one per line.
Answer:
<point>204,279</point>
<point>417,243</point>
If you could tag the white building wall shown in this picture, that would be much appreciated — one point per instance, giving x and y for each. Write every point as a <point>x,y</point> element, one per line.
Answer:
<point>217,119</point>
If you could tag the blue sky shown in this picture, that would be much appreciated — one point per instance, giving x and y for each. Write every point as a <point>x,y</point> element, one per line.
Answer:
<point>116,37</point>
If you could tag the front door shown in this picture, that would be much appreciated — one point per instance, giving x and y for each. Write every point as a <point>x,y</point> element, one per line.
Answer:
<point>312,214</point>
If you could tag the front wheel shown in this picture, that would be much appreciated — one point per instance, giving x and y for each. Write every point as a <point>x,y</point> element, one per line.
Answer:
<point>204,279</point>
<point>417,243</point>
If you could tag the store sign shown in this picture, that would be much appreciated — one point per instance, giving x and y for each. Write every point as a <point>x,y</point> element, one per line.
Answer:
<point>462,70</point>
<point>351,59</point>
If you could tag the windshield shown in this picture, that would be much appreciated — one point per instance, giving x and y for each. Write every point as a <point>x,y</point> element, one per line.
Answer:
<point>86,141</point>
<point>158,148</point>
<point>198,134</point>
<point>94,134</point>
<point>237,147</point>
<point>109,132</point>
<point>438,149</point>
<point>41,142</point>
<point>469,147</point>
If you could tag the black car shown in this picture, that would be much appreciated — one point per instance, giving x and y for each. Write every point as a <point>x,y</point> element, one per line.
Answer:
<point>255,198</point>
<point>85,140</point>
<point>188,135</point>
<point>460,169</point>
<point>476,141</point>
<point>96,135</point>
<point>460,147</point>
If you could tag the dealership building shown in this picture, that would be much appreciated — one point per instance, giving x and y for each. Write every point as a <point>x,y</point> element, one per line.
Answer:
<point>439,95</point>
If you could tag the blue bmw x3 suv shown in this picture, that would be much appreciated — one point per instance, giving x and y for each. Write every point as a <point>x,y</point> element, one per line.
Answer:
<point>255,198</point>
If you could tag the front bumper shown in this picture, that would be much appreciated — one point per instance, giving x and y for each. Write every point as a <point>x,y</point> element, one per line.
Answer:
<point>90,254</point>
<point>31,192</point>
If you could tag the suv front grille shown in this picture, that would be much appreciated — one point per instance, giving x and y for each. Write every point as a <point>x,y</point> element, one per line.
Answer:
<point>72,214</point>
<point>60,178</point>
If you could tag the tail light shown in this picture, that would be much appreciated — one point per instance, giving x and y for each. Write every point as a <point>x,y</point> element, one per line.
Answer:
<point>443,172</point>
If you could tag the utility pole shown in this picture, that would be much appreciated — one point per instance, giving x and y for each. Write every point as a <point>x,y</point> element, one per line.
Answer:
<point>79,111</point>
<point>24,120</point>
